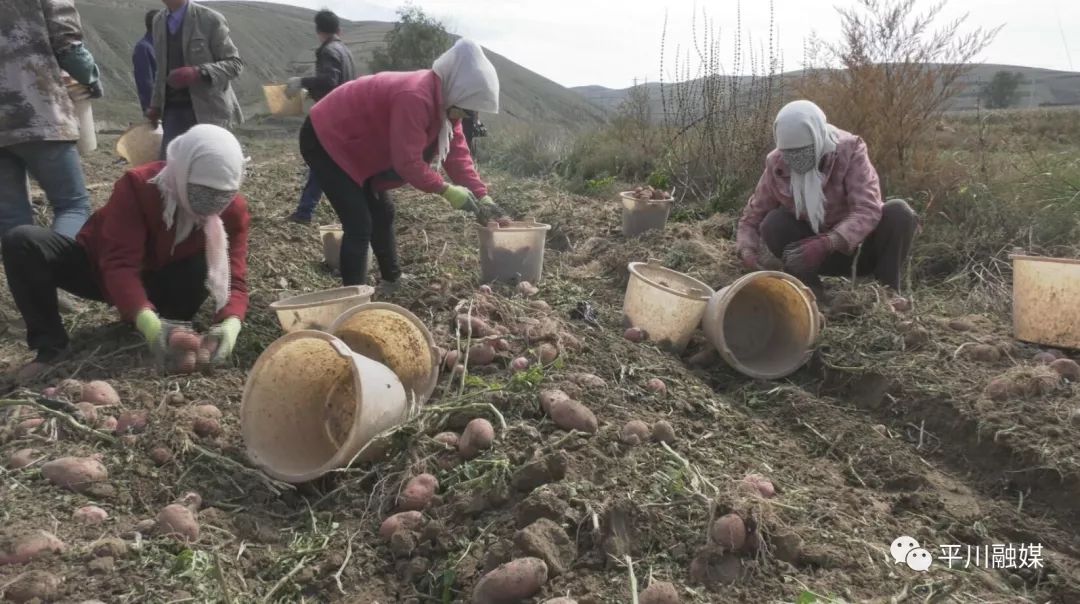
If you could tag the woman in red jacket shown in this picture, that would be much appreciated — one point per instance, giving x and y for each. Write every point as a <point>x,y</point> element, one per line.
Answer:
<point>173,233</point>
<point>380,132</point>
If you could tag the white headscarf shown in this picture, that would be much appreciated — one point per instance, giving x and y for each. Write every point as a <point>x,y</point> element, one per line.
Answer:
<point>469,82</point>
<point>801,124</point>
<point>209,156</point>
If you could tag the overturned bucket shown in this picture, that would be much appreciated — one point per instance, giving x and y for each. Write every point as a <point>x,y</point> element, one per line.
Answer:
<point>513,253</point>
<point>392,335</point>
<point>666,304</point>
<point>311,404</point>
<point>643,215</point>
<point>318,310</point>
<point>764,324</point>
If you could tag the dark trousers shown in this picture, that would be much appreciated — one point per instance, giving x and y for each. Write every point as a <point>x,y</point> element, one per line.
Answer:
<point>175,121</point>
<point>884,253</point>
<point>37,261</point>
<point>309,197</point>
<point>367,216</point>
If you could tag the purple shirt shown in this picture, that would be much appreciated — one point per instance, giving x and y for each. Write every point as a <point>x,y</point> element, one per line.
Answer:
<point>175,19</point>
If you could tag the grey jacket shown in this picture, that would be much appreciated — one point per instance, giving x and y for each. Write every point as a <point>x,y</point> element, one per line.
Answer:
<point>207,45</point>
<point>34,105</point>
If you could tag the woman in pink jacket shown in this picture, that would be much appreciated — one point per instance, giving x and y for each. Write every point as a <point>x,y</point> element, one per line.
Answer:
<point>818,202</point>
<point>380,132</point>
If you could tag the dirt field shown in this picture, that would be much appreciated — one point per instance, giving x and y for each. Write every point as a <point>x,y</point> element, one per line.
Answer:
<point>888,432</point>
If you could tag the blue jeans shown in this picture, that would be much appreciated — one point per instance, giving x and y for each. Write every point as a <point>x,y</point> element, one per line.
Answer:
<point>174,122</point>
<point>309,197</point>
<point>55,166</point>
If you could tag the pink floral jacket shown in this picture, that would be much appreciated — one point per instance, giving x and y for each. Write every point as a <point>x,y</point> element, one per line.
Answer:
<point>852,195</point>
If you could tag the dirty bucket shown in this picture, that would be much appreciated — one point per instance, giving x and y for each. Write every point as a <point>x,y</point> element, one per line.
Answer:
<point>84,111</point>
<point>643,215</point>
<point>392,335</point>
<point>331,244</point>
<point>666,304</point>
<point>318,310</point>
<point>280,104</point>
<point>140,144</point>
<point>764,324</point>
<point>1045,294</point>
<point>311,404</point>
<point>513,253</point>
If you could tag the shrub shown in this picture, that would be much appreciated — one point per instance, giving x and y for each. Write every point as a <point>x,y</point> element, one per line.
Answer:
<point>416,40</point>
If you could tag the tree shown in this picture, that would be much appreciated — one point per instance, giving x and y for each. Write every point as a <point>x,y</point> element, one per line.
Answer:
<point>415,42</point>
<point>1003,90</point>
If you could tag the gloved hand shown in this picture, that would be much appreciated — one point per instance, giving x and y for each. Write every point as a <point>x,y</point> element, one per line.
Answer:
<point>293,87</point>
<point>808,255</point>
<point>80,92</point>
<point>153,115</point>
<point>750,260</point>
<point>460,198</point>
<point>223,339</point>
<point>183,77</point>
<point>488,210</point>
<point>150,326</point>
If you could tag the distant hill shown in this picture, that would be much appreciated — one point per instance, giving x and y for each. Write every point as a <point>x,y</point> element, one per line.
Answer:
<point>277,41</point>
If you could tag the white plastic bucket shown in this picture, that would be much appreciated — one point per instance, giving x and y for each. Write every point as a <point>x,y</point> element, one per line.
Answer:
<point>666,304</point>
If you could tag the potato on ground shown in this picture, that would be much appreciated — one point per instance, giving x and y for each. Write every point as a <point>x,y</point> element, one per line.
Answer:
<point>179,520</point>
<point>729,532</point>
<point>411,521</point>
<point>512,582</point>
<point>29,546</point>
<point>33,586</point>
<point>760,484</point>
<point>90,515</point>
<point>21,458</point>
<point>74,473</point>
<point>477,436</point>
<point>549,397</point>
<point>635,432</point>
<point>1067,368</point>
<point>474,326</point>
<point>417,494</point>
<point>99,393</point>
<point>572,415</point>
<point>663,432</point>
<point>659,592</point>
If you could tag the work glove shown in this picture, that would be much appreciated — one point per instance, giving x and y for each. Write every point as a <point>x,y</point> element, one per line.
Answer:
<point>96,91</point>
<point>293,87</point>
<point>460,198</point>
<point>153,330</point>
<point>153,115</point>
<point>183,77</point>
<point>221,339</point>
<point>808,255</point>
<point>488,210</point>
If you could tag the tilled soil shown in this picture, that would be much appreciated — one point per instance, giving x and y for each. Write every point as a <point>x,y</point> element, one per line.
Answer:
<point>888,432</point>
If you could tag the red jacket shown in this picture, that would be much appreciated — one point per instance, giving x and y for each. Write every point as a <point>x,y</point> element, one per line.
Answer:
<point>127,237</point>
<point>391,121</point>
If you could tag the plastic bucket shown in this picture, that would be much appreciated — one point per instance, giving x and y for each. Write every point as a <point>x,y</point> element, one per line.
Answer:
<point>764,324</point>
<point>331,244</point>
<point>642,215</point>
<point>310,404</point>
<point>395,337</point>
<point>513,253</point>
<point>280,104</point>
<point>667,304</point>
<point>140,144</point>
<point>1045,294</point>
<point>318,310</point>
<point>84,111</point>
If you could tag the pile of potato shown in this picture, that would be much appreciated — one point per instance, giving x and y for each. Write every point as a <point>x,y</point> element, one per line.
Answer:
<point>648,193</point>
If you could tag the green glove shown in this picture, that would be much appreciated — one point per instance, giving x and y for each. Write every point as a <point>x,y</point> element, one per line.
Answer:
<point>488,210</point>
<point>460,198</point>
<point>225,333</point>
<point>149,325</point>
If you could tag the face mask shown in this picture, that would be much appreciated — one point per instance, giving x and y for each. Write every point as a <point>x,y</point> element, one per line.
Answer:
<point>800,160</point>
<point>206,201</point>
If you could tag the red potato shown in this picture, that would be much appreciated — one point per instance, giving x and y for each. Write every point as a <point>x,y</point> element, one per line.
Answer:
<point>50,392</point>
<point>761,485</point>
<point>132,422</point>
<point>411,521</point>
<point>210,411</point>
<point>206,427</point>
<point>30,546</point>
<point>87,412</point>
<point>587,380</point>
<point>161,455</point>
<point>179,520</point>
<point>657,386</point>
<point>90,515</point>
<point>998,389</point>
<point>659,592</point>
<point>449,439</point>
<point>635,335</point>
<point>501,345</point>
<point>519,364</point>
<point>549,397</point>
<point>479,434</point>
<point>474,326</point>
<point>486,290</point>
<point>451,359</point>
<point>417,494</point>
<point>1043,358</point>
<point>184,339</point>
<point>33,586</point>
<point>74,473</point>
<point>27,426</point>
<point>1067,369</point>
<point>663,432</point>
<point>109,423</point>
<point>729,532</point>
<point>572,415</point>
<point>547,353</point>
<point>635,432</point>
<point>527,289</point>
<point>99,393</point>
<point>512,582</point>
<point>21,458</point>
<point>459,369</point>
<point>481,354</point>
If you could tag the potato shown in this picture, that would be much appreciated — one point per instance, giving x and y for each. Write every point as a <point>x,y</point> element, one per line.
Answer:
<point>479,434</point>
<point>87,412</point>
<point>587,380</point>
<point>27,426</point>
<point>1043,358</point>
<point>176,399</point>
<point>704,359</point>
<point>184,340</point>
<point>100,393</point>
<point>729,532</point>
<point>527,289</point>
<point>486,290</point>
<point>449,439</point>
<point>35,586</point>
<point>177,521</point>
<point>210,411</point>
<point>663,432</point>
<point>548,397</point>
<point>787,546</point>
<point>762,485</point>
<point>572,415</point>
<point>417,494</point>
<point>30,546</point>
<point>635,335</point>
<point>512,582</point>
<point>1067,369</point>
<point>206,427</point>
<point>983,353</point>
<point>505,222</point>
<point>547,353</point>
<point>501,345</point>
<point>451,359</point>
<point>50,392</point>
<point>999,388</point>
<point>519,364</point>
<point>657,386</point>
<point>132,422</point>
<point>21,458</point>
<point>161,455</point>
<point>635,432</point>
<point>900,304</point>
<point>187,361</point>
<point>74,473</point>
<point>71,389</point>
<point>459,369</point>
<point>961,325</point>
<point>474,326</point>
<point>659,592</point>
<point>481,354</point>
<point>411,520</point>
<point>90,515</point>
<point>109,423</point>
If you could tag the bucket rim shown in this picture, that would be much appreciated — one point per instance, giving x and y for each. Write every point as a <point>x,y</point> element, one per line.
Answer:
<point>517,227</point>
<point>629,196</point>
<point>707,294</point>
<point>1042,259</point>
<point>328,228</point>
<point>297,302</point>
<point>433,378</point>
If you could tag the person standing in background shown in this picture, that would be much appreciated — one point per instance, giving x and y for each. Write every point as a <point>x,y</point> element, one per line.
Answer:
<point>333,67</point>
<point>200,62</point>
<point>41,42</point>
<point>144,63</point>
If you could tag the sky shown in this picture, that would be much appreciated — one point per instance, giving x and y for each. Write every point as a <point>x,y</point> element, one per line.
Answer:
<point>612,43</point>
